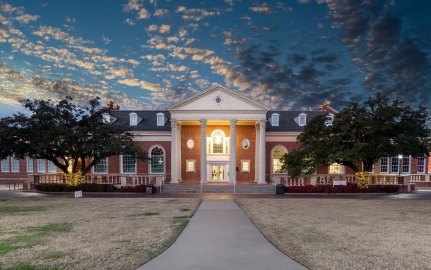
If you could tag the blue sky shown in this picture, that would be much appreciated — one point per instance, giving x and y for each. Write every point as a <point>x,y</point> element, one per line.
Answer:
<point>148,54</point>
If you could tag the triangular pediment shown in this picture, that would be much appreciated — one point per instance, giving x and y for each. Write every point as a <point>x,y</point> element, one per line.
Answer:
<point>218,98</point>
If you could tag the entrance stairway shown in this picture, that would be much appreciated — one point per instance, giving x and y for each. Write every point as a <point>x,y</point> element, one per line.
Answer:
<point>219,188</point>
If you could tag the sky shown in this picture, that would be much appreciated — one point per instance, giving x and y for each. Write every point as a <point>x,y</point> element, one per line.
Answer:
<point>149,54</point>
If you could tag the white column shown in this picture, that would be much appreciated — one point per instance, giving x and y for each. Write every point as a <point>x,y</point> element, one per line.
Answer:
<point>179,152</point>
<point>203,150</point>
<point>262,154</point>
<point>256,154</point>
<point>232,155</point>
<point>174,170</point>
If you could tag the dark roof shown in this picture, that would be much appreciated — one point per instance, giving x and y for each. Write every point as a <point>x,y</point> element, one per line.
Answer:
<point>148,120</point>
<point>286,122</point>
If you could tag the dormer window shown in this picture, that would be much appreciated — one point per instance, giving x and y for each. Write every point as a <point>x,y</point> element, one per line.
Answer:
<point>106,118</point>
<point>160,119</point>
<point>329,120</point>
<point>302,119</point>
<point>275,119</point>
<point>133,119</point>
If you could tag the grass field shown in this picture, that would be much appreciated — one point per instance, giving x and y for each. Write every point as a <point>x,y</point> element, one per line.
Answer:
<point>347,233</point>
<point>86,233</point>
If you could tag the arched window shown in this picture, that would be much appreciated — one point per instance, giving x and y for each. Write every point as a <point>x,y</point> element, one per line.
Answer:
<point>157,158</point>
<point>336,168</point>
<point>276,153</point>
<point>218,141</point>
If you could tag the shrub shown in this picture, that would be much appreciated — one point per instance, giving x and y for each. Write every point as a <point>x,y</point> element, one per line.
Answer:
<point>349,188</point>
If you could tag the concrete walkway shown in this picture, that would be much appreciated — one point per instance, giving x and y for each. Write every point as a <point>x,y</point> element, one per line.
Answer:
<point>220,236</point>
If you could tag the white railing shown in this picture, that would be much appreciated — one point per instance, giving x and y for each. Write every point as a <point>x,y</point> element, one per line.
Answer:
<point>113,179</point>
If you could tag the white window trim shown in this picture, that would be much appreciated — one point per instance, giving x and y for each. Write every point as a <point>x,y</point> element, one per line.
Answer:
<point>190,161</point>
<point>133,119</point>
<point>410,165</point>
<point>106,118</point>
<point>106,168</point>
<point>275,119</point>
<point>12,167</point>
<point>398,166</point>
<point>44,165</point>
<point>160,119</point>
<point>2,163</point>
<point>28,162</point>
<point>51,167</point>
<point>302,116</point>
<point>245,161</point>
<point>342,169</point>
<point>424,165</point>
<point>121,165</point>
<point>387,165</point>
<point>164,159</point>
<point>271,159</point>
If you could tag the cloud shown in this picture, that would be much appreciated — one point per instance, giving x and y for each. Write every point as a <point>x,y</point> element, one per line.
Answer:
<point>264,8</point>
<point>196,14</point>
<point>143,14</point>
<point>129,21</point>
<point>393,62</point>
<point>132,5</point>
<point>160,12</point>
<point>164,28</point>
<point>26,18</point>
<point>142,84</point>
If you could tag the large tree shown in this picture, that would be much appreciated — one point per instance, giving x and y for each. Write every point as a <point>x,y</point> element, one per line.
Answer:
<point>360,134</point>
<point>73,137</point>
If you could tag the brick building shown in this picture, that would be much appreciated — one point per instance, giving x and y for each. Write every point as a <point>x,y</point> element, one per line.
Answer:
<point>215,136</point>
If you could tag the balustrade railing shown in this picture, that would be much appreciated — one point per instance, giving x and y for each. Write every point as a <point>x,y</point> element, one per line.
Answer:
<point>113,179</point>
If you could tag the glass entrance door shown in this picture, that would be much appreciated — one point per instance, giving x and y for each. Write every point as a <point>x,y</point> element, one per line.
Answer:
<point>217,172</point>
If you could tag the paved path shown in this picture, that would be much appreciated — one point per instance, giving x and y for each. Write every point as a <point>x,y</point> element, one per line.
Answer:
<point>220,236</point>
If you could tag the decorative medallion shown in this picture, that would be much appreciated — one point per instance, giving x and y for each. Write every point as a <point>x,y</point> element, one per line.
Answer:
<point>245,143</point>
<point>190,143</point>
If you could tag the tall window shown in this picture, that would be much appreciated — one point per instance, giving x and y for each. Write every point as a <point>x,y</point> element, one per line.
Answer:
<point>5,167</point>
<point>51,167</point>
<point>41,165</point>
<point>15,164</point>
<point>157,160</point>
<point>30,164</point>
<point>277,153</point>
<point>217,137</point>
<point>395,165</point>
<point>421,164</point>
<point>101,166</point>
<point>384,162</point>
<point>129,164</point>
<point>336,168</point>
<point>406,164</point>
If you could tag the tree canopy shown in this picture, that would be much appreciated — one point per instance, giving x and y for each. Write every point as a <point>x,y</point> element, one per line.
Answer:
<point>73,137</point>
<point>361,134</point>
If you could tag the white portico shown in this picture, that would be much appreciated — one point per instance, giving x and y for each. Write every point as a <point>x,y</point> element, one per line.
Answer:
<point>224,131</point>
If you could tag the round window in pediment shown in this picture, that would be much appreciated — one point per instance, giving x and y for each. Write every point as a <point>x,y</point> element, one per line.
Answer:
<point>218,100</point>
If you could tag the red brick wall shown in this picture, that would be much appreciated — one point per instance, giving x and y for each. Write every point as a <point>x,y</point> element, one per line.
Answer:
<point>245,132</point>
<point>141,166</point>
<point>22,174</point>
<point>194,133</point>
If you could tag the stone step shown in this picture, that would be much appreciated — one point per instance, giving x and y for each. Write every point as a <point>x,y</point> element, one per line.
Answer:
<point>223,188</point>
